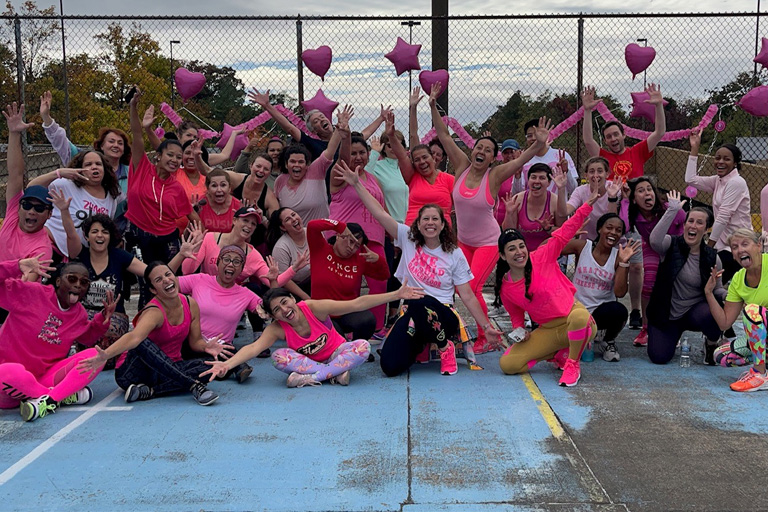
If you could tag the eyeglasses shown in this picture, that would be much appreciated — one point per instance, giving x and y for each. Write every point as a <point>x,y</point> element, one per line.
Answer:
<point>73,279</point>
<point>351,240</point>
<point>38,207</point>
<point>229,261</point>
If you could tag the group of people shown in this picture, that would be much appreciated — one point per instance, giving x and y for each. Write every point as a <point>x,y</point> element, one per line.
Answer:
<point>288,235</point>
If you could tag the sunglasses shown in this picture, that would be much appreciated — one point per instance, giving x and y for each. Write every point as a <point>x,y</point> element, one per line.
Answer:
<point>38,207</point>
<point>73,279</point>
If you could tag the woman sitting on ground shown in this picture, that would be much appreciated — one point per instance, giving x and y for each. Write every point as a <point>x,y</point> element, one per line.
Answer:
<point>316,352</point>
<point>150,363</point>
<point>36,372</point>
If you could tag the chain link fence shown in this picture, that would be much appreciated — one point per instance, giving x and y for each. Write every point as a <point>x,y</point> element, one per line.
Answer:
<point>504,70</point>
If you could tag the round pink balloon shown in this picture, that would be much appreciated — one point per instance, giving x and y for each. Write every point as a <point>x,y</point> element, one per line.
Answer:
<point>691,191</point>
<point>638,58</point>
<point>755,102</point>
<point>428,78</point>
<point>189,83</point>
<point>241,141</point>
<point>318,60</point>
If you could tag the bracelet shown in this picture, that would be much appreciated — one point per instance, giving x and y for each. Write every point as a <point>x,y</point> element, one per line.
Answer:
<point>487,326</point>
<point>613,199</point>
<point>624,265</point>
<point>58,173</point>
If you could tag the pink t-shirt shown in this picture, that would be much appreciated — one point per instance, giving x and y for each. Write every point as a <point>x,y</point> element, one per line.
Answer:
<point>474,213</point>
<point>321,343</point>
<point>155,204</point>
<point>16,244</point>
<point>220,308</point>
<point>421,192</point>
<point>550,290</point>
<point>191,189</point>
<point>218,223</point>
<point>346,206</point>
<point>309,198</point>
<point>255,265</point>
<point>38,333</point>
<point>580,196</point>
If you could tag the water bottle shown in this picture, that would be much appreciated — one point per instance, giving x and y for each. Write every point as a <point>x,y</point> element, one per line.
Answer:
<point>588,355</point>
<point>685,353</point>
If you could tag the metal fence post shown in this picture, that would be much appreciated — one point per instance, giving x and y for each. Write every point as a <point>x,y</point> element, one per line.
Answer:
<point>64,67</point>
<point>754,73</point>
<point>579,87</point>
<point>299,64</point>
<point>440,46</point>
<point>20,72</point>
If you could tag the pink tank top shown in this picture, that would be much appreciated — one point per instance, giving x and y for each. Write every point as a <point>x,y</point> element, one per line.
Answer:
<point>169,338</point>
<point>346,206</point>
<point>474,213</point>
<point>322,341</point>
<point>531,230</point>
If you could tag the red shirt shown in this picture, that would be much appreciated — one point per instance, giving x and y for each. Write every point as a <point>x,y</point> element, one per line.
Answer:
<point>333,277</point>
<point>147,193</point>
<point>218,223</point>
<point>629,163</point>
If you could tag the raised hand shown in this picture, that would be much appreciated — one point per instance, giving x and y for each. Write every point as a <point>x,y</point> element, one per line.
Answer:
<point>512,202</point>
<point>342,171</point>
<point>136,97</point>
<point>383,112</point>
<point>408,292</point>
<point>196,230</point>
<point>376,144</point>
<point>434,93</point>
<point>301,261</point>
<point>45,107</point>
<point>613,188</point>
<point>542,130</point>
<point>75,175</point>
<point>547,222</point>
<point>588,99</point>
<point>415,97</point>
<point>594,197</point>
<point>217,348</point>
<point>654,94</point>
<point>389,125</point>
<point>190,244</point>
<point>343,117</point>
<point>149,117</point>
<point>93,364</point>
<point>14,116</point>
<point>59,200</point>
<point>35,265</point>
<point>674,200</point>
<point>273,271</point>
<point>632,247</point>
<point>109,304</point>
<point>695,140</point>
<point>369,255</point>
<point>560,176</point>
<point>712,281</point>
<point>261,99</point>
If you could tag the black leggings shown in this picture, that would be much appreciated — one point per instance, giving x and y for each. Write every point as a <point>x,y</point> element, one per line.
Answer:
<point>610,317</point>
<point>153,248</point>
<point>148,364</point>
<point>434,322</point>
<point>662,341</point>
<point>362,324</point>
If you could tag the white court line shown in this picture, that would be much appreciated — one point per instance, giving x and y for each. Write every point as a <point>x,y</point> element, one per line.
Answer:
<point>49,443</point>
<point>82,408</point>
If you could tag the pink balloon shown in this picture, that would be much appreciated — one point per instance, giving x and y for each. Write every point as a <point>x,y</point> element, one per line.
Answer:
<point>755,102</point>
<point>691,191</point>
<point>241,141</point>
<point>189,83</point>
<point>318,61</point>
<point>404,56</point>
<point>160,132</point>
<point>428,78</point>
<point>320,102</point>
<point>762,57</point>
<point>638,58</point>
<point>642,109</point>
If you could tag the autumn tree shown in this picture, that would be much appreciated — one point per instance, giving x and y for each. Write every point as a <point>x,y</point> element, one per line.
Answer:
<point>38,35</point>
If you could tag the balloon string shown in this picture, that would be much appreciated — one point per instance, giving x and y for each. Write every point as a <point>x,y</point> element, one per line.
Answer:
<point>193,115</point>
<point>711,146</point>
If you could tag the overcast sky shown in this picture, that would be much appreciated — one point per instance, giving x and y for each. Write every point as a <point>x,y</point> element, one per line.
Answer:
<point>382,7</point>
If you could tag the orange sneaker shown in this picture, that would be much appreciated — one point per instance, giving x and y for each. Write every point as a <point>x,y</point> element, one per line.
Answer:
<point>751,380</point>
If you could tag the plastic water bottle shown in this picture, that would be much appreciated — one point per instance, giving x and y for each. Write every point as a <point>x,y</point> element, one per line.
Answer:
<point>589,354</point>
<point>685,353</point>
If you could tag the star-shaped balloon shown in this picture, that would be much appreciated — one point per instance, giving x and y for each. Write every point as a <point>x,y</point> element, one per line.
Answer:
<point>241,141</point>
<point>755,102</point>
<point>762,57</point>
<point>320,102</point>
<point>404,56</point>
<point>642,109</point>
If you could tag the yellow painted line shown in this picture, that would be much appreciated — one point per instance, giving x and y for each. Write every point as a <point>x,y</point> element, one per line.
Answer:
<point>546,411</point>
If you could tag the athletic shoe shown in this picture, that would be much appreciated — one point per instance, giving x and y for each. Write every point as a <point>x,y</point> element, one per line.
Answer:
<point>635,320</point>
<point>424,355</point>
<point>448,364</point>
<point>641,340</point>
<point>571,373</point>
<point>37,408</point>
<point>751,380</point>
<point>299,380</point>
<point>243,372</point>
<point>496,312</point>
<point>709,353</point>
<point>559,359</point>
<point>203,395</point>
<point>342,379</point>
<point>611,353</point>
<point>82,397</point>
<point>482,346</point>
<point>371,358</point>
<point>137,392</point>
<point>381,334</point>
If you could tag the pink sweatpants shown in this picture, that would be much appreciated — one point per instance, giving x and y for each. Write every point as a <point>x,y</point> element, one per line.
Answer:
<point>60,381</point>
<point>482,261</point>
<point>375,287</point>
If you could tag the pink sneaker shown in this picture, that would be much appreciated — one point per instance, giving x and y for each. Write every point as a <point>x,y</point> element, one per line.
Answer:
<point>423,357</point>
<point>561,357</point>
<point>482,346</point>
<point>571,373</point>
<point>641,340</point>
<point>448,364</point>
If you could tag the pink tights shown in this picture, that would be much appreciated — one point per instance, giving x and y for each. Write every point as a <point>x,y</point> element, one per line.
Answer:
<point>481,261</point>
<point>61,380</point>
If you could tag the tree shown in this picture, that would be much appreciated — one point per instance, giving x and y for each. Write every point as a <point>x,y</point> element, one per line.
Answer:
<point>37,35</point>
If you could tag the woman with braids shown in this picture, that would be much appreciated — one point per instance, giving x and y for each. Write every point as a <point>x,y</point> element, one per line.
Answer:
<point>474,196</point>
<point>534,283</point>
<point>431,261</point>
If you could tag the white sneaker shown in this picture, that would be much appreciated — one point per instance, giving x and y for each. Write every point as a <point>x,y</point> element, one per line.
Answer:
<point>496,312</point>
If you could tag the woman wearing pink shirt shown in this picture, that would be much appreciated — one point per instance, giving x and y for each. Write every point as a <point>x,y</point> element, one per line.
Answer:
<point>218,207</point>
<point>730,198</point>
<point>534,283</point>
<point>36,373</point>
